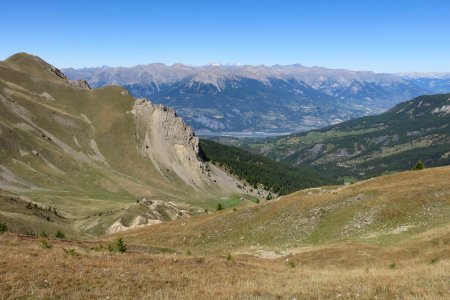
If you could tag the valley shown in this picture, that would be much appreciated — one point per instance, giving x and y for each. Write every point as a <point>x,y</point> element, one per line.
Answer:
<point>413,130</point>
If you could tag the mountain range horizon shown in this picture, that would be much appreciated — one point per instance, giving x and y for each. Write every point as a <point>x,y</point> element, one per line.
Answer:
<point>406,74</point>
<point>264,100</point>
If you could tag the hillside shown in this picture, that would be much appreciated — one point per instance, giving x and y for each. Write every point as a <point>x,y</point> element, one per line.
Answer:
<point>384,238</point>
<point>383,211</point>
<point>97,159</point>
<point>257,100</point>
<point>395,140</point>
<point>257,169</point>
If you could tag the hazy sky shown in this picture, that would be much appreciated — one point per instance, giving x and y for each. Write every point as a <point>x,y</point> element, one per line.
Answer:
<point>383,36</point>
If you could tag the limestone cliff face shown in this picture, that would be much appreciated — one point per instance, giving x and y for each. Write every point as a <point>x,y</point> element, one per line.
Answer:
<point>169,143</point>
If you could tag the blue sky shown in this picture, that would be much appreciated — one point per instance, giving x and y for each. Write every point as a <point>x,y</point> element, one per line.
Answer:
<point>383,36</point>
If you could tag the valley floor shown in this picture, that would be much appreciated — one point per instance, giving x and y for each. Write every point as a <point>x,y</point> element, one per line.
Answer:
<point>86,270</point>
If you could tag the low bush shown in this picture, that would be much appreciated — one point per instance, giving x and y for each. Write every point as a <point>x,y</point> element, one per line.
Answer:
<point>118,246</point>
<point>45,244</point>
<point>3,228</point>
<point>59,234</point>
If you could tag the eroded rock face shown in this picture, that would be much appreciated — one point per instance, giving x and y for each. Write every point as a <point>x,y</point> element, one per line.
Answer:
<point>75,83</point>
<point>154,212</point>
<point>169,143</point>
<point>82,84</point>
<point>57,72</point>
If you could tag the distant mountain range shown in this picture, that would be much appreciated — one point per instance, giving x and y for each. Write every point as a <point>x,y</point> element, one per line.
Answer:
<point>414,130</point>
<point>252,100</point>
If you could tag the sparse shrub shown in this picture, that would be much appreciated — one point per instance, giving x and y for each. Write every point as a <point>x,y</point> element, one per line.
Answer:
<point>59,234</point>
<point>434,260</point>
<point>45,244</point>
<point>269,196</point>
<point>189,252</point>
<point>257,201</point>
<point>121,245</point>
<point>206,211</point>
<point>43,234</point>
<point>419,165</point>
<point>229,257</point>
<point>219,207</point>
<point>70,252</point>
<point>393,266</point>
<point>117,246</point>
<point>3,228</point>
<point>234,209</point>
<point>291,264</point>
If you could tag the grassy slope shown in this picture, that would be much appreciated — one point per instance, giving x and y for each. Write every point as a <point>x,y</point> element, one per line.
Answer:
<point>51,273</point>
<point>87,165</point>
<point>256,169</point>
<point>346,253</point>
<point>382,211</point>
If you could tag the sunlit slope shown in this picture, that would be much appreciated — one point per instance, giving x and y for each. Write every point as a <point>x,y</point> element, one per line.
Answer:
<point>379,212</point>
<point>92,153</point>
<point>386,238</point>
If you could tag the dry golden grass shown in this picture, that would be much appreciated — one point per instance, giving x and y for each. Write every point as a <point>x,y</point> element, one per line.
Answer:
<point>408,203</point>
<point>413,264</point>
<point>29,271</point>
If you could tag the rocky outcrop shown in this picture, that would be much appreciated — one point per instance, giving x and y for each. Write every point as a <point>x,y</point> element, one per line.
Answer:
<point>57,72</point>
<point>169,143</point>
<point>83,84</point>
<point>153,212</point>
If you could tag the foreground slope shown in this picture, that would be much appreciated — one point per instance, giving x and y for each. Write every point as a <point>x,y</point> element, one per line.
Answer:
<point>95,157</point>
<point>414,130</point>
<point>386,238</point>
<point>381,211</point>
